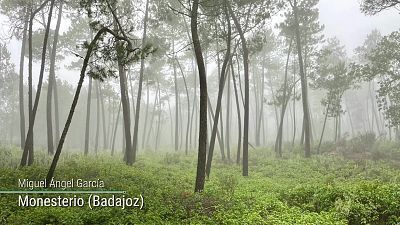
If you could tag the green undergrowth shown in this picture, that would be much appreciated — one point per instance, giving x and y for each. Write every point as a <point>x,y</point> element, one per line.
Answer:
<point>321,190</point>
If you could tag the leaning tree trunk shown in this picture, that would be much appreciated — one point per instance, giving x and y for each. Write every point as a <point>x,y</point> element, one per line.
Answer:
<point>278,142</point>
<point>21,82</point>
<point>50,143</point>
<point>57,154</point>
<point>29,147</point>
<point>246,94</point>
<point>202,151</point>
<point>139,96</point>
<point>220,92</point>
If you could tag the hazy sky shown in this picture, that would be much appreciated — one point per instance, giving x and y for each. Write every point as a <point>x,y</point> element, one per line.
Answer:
<point>342,18</point>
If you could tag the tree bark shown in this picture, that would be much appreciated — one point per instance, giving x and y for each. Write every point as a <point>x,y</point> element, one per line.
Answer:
<point>115,129</point>
<point>238,115</point>
<point>146,114</point>
<point>50,144</point>
<point>202,151</point>
<point>29,147</point>
<point>246,94</point>
<point>21,82</point>
<point>188,108</point>
<point>87,130</point>
<point>57,154</point>
<point>220,93</point>
<point>278,142</point>
<point>139,96</point>
<point>304,91</point>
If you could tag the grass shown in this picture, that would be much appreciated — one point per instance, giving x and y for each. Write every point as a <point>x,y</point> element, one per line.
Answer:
<point>320,190</point>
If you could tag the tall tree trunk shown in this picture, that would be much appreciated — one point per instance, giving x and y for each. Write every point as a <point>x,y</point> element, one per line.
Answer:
<point>103,117</point>
<point>246,94</point>
<point>56,113</point>
<point>29,147</point>
<point>202,151</point>
<point>21,82</point>
<point>139,96</point>
<point>159,115</point>
<point>130,158</point>
<point>50,144</point>
<point>193,107</point>
<point>115,129</point>
<point>304,91</point>
<point>87,130</point>
<point>152,118</point>
<point>57,154</point>
<point>261,107</point>
<point>146,114</point>
<point>323,130</point>
<point>220,93</point>
<point>228,122</point>
<point>286,96</point>
<point>176,107</point>
<point>96,144</point>
<point>238,115</point>
<point>188,108</point>
<point>294,104</point>
<point>211,120</point>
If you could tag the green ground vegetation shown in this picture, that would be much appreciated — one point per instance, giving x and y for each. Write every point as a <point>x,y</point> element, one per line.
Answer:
<point>326,189</point>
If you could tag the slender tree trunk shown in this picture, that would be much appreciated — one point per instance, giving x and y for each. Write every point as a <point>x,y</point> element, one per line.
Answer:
<point>57,154</point>
<point>304,90</point>
<point>146,112</point>
<point>238,115</point>
<point>219,100</point>
<point>172,122</point>
<point>103,117</point>
<point>188,108</point>
<point>228,122</point>
<point>211,120</point>
<point>132,96</point>
<point>28,139</point>
<point>115,129</point>
<point>139,96</point>
<point>246,94</point>
<point>159,115</point>
<point>29,147</point>
<point>56,113</point>
<point>202,151</point>
<point>294,104</point>
<point>193,108</point>
<point>111,120</point>
<point>96,144</point>
<point>130,158</point>
<point>50,139</point>
<point>88,103</point>
<point>152,118</point>
<point>286,96</point>
<point>21,82</point>
<point>261,107</point>
<point>323,129</point>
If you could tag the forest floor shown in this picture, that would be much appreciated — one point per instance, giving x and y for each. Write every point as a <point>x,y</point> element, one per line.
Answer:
<point>321,190</point>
